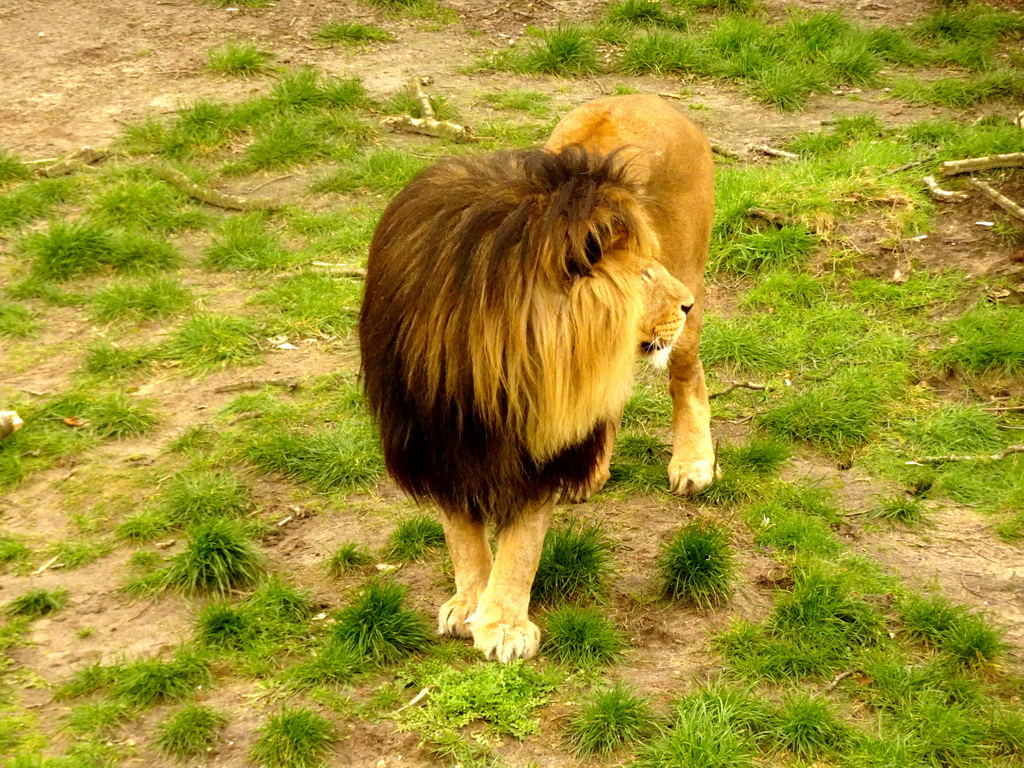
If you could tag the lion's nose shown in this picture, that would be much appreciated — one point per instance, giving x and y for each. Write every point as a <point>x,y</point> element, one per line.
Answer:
<point>686,307</point>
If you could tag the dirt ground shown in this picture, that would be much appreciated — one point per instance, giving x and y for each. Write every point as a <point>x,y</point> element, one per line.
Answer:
<point>75,73</point>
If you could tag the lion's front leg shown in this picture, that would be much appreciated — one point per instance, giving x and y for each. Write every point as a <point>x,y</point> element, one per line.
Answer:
<point>471,556</point>
<point>501,626</point>
<point>692,467</point>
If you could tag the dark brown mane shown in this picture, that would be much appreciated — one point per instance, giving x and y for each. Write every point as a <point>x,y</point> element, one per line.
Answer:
<point>478,271</point>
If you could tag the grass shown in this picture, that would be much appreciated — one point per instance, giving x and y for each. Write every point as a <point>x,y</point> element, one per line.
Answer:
<point>353,33</point>
<point>106,361</point>
<point>16,321</point>
<point>348,557</point>
<point>983,340</point>
<point>144,204</point>
<point>218,558</point>
<point>269,623</point>
<point>37,602</point>
<point>806,726</point>
<point>379,627</point>
<point>580,637</point>
<point>294,738</point>
<point>565,50</point>
<point>899,509</point>
<point>194,497</point>
<point>385,171</point>
<point>12,168</point>
<point>100,717</point>
<point>207,341</point>
<point>644,13</point>
<point>697,565</point>
<point>415,539</point>
<point>312,304</point>
<point>191,732</point>
<point>963,638</point>
<point>610,720</point>
<point>575,564</point>
<point>343,458</point>
<point>13,551</point>
<point>238,59</point>
<point>147,682</point>
<point>533,103</point>
<point>244,243</point>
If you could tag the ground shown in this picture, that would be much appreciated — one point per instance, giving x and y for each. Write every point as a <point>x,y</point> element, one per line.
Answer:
<point>78,74</point>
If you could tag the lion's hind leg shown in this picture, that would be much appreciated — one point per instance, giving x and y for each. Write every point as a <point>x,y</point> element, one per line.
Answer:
<point>471,556</point>
<point>501,626</point>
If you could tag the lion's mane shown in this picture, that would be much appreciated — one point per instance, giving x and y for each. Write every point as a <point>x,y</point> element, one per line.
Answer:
<point>498,329</point>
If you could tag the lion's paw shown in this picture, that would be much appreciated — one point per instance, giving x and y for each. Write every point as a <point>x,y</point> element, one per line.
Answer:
<point>507,642</point>
<point>690,477</point>
<point>451,618</point>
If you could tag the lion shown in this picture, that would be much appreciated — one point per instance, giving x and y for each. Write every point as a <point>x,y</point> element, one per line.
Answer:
<point>507,299</point>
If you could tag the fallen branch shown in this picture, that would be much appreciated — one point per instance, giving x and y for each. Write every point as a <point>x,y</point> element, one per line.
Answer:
<point>239,386</point>
<point>971,164</point>
<point>10,422</point>
<point>837,680</point>
<point>213,197</point>
<point>718,149</point>
<point>771,151</point>
<point>943,195</point>
<point>344,270</point>
<point>733,385</point>
<point>428,125</point>
<point>46,565</point>
<point>1009,451</point>
<point>52,167</point>
<point>775,218</point>
<point>1003,408</point>
<point>999,199</point>
<point>416,699</point>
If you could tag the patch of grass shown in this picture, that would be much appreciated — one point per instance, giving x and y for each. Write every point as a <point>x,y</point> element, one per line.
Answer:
<point>534,103</point>
<point>99,717</point>
<point>580,637</point>
<point>146,204</point>
<point>214,341</point>
<point>303,89</point>
<point>344,458</point>
<point>11,167</point>
<point>697,740</point>
<point>270,622</point>
<point>963,92</point>
<point>385,171</point>
<point>610,720</point>
<point>294,738</point>
<point>17,321</point>
<point>783,523</point>
<point>415,538</point>
<point>143,526</point>
<point>647,404</point>
<point>564,51</point>
<point>963,638</point>
<point>13,550</point>
<point>75,554</point>
<point>985,339</point>
<point>37,602</point>
<point>238,59</point>
<point>139,301</point>
<point>836,415</point>
<point>336,663</point>
<point>190,732</point>
<point>790,289</point>
<point>197,496</point>
<point>661,52</point>
<point>107,361</point>
<point>574,565</point>
<point>218,558</point>
<point>147,682</point>
<point>223,626</point>
<point>503,696</point>
<point>639,463</point>
<point>348,557</point>
<point>312,303</point>
<point>244,243</point>
<point>644,13</point>
<point>783,247</point>
<point>806,726</point>
<point>198,130</point>
<point>68,250</point>
<point>353,33</point>
<point>908,510</point>
<point>34,200</point>
<point>111,414</point>
<point>379,627</point>
<point>697,565</point>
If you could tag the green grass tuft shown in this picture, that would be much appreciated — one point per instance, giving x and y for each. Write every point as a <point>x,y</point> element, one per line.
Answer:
<point>386,171</point>
<point>219,557</point>
<point>294,738</point>
<point>379,627</point>
<point>697,565</point>
<point>807,727</point>
<point>197,496</point>
<point>245,244</point>
<point>214,341</point>
<point>580,637</point>
<point>313,303</point>
<point>191,732</point>
<point>238,59</point>
<point>145,204</point>
<point>781,248</point>
<point>336,663</point>
<point>107,361</point>
<point>13,551</point>
<point>348,557</point>
<point>17,321</point>
<point>415,538</point>
<point>37,602</point>
<point>964,638</point>
<point>574,565</point>
<point>100,717</point>
<point>908,510</point>
<point>147,682</point>
<point>133,301</point>
<point>644,13</point>
<point>988,338</point>
<point>609,720</point>
<point>11,167</point>
<point>353,33</point>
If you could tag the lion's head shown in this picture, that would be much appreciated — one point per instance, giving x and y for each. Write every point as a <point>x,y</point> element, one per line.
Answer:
<point>506,300</point>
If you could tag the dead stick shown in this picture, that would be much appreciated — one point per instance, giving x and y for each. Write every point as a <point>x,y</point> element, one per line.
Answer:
<point>999,199</point>
<point>344,270</point>
<point>441,129</point>
<point>184,184</point>
<point>10,422</point>
<point>971,164</point>
<point>257,383</point>
<point>837,680</point>
<point>47,564</point>
<point>978,457</point>
<point>1004,408</point>
<point>738,385</point>
<point>943,195</point>
<point>425,104</point>
<point>771,151</point>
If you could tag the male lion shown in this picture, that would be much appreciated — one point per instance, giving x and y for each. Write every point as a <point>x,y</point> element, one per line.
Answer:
<point>506,301</point>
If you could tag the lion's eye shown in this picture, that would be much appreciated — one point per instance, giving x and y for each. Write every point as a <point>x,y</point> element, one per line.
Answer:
<point>647,275</point>
<point>593,249</point>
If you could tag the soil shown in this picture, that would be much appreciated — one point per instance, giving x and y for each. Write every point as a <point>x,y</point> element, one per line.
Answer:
<point>75,73</point>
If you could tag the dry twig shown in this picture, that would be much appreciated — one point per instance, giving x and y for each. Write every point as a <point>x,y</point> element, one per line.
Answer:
<point>943,195</point>
<point>428,125</point>
<point>1008,451</point>
<point>971,164</point>
<point>10,422</point>
<point>213,197</point>
<point>738,385</point>
<point>772,152</point>
<point>239,386</point>
<point>998,198</point>
<point>837,680</point>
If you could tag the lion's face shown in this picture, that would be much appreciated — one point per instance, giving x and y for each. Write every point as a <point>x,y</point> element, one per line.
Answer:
<point>667,301</point>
